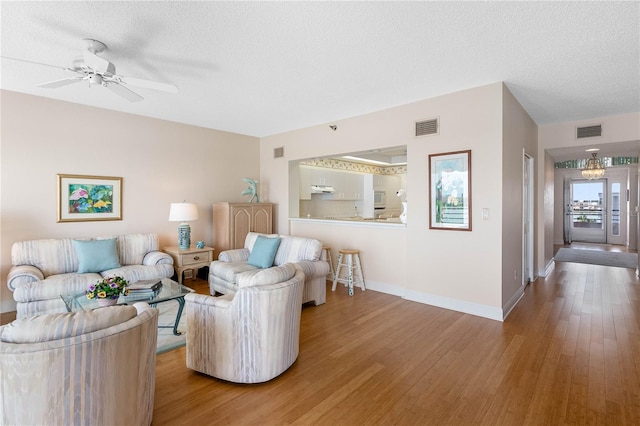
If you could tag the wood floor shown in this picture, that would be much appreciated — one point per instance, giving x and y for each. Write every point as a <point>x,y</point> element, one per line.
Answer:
<point>569,353</point>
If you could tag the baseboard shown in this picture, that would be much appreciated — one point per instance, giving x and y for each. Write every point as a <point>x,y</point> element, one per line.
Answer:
<point>476,309</point>
<point>508,307</point>
<point>547,270</point>
<point>384,288</point>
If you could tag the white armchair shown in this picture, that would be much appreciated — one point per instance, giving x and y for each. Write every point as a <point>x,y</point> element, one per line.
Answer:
<point>90,367</point>
<point>251,336</point>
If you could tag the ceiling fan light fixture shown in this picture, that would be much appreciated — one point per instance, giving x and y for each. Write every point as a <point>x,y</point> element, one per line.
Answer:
<point>95,79</point>
<point>593,169</point>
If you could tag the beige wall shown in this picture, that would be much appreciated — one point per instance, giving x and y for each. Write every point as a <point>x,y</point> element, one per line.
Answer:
<point>160,162</point>
<point>520,135</point>
<point>454,269</point>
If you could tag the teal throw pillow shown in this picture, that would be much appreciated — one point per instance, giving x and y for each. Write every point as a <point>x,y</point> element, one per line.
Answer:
<point>96,255</point>
<point>263,252</point>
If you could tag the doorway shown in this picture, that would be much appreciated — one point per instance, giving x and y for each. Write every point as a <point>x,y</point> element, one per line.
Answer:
<point>527,219</point>
<point>587,211</point>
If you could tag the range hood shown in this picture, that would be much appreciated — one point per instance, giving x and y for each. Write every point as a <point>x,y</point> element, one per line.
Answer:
<point>322,189</point>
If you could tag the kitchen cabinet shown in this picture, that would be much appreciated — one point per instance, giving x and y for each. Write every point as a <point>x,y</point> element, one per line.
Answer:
<point>308,176</point>
<point>378,182</point>
<point>348,186</point>
<point>233,221</point>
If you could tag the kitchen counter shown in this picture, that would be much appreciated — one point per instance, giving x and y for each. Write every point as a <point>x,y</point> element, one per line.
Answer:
<point>352,221</point>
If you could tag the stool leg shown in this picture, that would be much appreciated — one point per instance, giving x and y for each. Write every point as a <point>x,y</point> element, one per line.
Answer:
<point>350,267</point>
<point>337,273</point>
<point>359,269</point>
<point>331,270</point>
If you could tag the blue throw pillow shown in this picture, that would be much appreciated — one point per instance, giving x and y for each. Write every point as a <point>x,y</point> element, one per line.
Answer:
<point>263,252</point>
<point>96,255</point>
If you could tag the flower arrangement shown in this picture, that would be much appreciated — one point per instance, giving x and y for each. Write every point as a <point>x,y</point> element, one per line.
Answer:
<point>108,288</point>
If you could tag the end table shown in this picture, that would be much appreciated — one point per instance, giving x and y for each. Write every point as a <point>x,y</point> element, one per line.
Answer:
<point>191,258</point>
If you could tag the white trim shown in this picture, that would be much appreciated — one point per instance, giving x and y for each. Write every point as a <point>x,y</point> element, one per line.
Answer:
<point>508,307</point>
<point>547,270</point>
<point>455,305</point>
<point>384,288</point>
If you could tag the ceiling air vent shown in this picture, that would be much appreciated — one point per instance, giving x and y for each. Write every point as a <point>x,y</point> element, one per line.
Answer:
<point>589,131</point>
<point>427,127</point>
<point>278,152</point>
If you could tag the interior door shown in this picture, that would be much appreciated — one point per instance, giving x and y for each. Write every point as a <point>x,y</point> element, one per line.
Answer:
<point>588,210</point>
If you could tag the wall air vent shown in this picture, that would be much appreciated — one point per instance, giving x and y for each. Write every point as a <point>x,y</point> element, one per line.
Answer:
<point>427,127</point>
<point>589,131</point>
<point>278,152</point>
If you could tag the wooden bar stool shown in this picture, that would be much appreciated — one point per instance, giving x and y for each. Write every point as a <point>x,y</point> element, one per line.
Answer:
<point>350,259</point>
<point>326,255</point>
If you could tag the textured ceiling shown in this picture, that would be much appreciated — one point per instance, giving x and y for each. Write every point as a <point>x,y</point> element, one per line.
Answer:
<point>260,68</point>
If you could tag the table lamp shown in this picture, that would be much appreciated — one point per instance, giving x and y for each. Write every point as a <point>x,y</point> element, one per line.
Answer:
<point>183,212</point>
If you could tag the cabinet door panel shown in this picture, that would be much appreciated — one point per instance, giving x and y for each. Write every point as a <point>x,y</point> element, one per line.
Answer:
<point>241,225</point>
<point>262,220</point>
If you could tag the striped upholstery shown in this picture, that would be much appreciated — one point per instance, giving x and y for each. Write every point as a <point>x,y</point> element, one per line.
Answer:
<point>45,269</point>
<point>224,272</point>
<point>251,338</point>
<point>105,377</point>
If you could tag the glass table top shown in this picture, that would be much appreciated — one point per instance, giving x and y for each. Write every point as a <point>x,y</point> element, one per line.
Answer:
<point>169,290</point>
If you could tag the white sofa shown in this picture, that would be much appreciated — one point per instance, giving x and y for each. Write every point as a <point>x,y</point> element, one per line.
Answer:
<point>251,336</point>
<point>89,367</point>
<point>304,252</point>
<point>43,270</point>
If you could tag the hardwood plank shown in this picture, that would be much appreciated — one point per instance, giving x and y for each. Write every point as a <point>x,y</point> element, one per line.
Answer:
<point>569,353</point>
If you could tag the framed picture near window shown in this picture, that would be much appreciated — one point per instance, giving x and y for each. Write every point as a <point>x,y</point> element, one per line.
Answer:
<point>450,191</point>
<point>89,198</point>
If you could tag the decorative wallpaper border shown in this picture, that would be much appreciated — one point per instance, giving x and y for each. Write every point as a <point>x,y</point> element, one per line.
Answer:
<point>606,161</point>
<point>332,163</point>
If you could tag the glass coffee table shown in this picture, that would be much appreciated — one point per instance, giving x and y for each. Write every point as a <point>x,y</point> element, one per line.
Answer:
<point>170,290</point>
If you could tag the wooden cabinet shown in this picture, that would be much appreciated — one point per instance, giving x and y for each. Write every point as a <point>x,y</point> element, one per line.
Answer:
<point>233,221</point>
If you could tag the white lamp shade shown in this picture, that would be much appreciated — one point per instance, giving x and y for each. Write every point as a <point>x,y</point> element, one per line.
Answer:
<point>183,212</point>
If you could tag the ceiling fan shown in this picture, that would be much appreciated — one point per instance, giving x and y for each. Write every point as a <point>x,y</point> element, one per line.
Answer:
<point>98,71</point>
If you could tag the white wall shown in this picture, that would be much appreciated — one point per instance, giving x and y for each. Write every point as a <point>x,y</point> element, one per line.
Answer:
<point>454,269</point>
<point>160,162</point>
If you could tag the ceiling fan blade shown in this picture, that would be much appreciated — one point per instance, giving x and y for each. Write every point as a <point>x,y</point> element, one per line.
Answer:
<point>148,84</point>
<point>120,90</point>
<point>98,64</point>
<point>59,83</point>
<point>39,63</point>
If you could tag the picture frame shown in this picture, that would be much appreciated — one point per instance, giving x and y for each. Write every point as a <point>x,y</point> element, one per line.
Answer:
<point>450,191</point>
<point>89,198</point>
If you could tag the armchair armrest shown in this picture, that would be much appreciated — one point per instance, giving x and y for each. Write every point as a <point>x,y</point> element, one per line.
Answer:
<point>203,299</point>
<point>157,258</point>
<point>236,255</point>
<point>313,268</point>
<point>23,274</point>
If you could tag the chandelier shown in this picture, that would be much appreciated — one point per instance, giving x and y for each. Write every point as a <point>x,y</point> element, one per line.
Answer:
<point>593,169</point>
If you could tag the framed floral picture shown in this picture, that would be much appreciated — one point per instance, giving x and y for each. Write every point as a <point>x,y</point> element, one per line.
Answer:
<point>89,198</point>
<point>450,191</point>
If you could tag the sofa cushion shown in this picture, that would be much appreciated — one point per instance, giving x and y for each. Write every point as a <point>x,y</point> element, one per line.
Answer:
<point>273,275</point>
<point>43,328</point>
<point>54,286</point>
<point>96,255</point>
<point>293,249</point>
<point>263,252</point>
<point>229,270</point>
